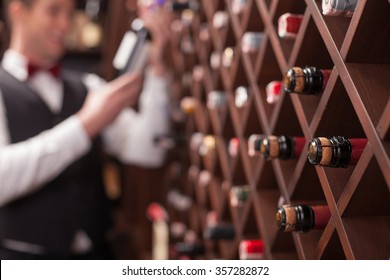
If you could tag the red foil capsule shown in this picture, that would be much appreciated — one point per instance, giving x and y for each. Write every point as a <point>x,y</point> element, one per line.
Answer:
<point>299,145</point>
<point>358,145</point>
<point>234,146</point>
<point>251,249</point>
<point>288,25</point>
<point>273,91</point>
<point>322,216</point>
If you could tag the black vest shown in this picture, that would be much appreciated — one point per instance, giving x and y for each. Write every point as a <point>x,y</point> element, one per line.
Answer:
<point>73,200</point>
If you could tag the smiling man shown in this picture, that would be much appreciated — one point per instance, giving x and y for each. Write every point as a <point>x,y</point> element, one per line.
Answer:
<point>53,124</point>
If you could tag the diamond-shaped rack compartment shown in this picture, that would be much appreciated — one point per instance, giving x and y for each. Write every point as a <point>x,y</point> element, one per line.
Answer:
<point>238,197</point>
<point>192,191</point>
<point>201,115</point>
<point>228,133</point>
<point>267,71</point>
<point>242,95</point>
<point>375,14</point>
<point>334,119</point>
<point>268,197</point>
<point>305,188</point>
<point>238,172</point>
<point>333,249</point>
<point>251,125</point>
<point>336,25</point>
<point>309,50</point>
<point>203,42</point>
<point>212,158</point>
<point>264,3</point>
<point>250,230</point>
<point>245,16</point>
<point>252,37</point>
<point>286,124</point>
<point>369,78</point>
<point>227,248</point>
<point>383,129</point>
<point>253,20</point>
<point>305,185</point>
<point>366,218</point>
<point>280,8</point>
<point>368,69</point>
<point>230,57</point>
<point>298,180</point>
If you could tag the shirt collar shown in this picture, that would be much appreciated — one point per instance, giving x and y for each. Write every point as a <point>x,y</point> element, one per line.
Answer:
<point>15,64</point>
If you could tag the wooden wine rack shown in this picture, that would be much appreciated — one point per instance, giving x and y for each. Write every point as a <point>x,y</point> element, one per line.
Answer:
<point>355,104</point>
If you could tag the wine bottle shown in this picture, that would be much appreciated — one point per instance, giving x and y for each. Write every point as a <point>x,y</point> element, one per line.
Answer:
<point>251,249</point>
<point>254,144</point>
<point>288,25</point>
<point>238,6</point>
<point>241,96</point>
<point>282,147</point>
<point>234,146</point>
<point>178,6</point>
<point>227,57</point>
<point>309,80</point>
<point>251,42</point>
<point>189,249</point>
<point>219,232</point>
<point>133,51</point>
<point>188,104</point>
<point>239,195</point>
<point>336,151</point>
<point>216,99</point>
<point>273,91</point>
<point>344,8</point>
<point>302,218</point>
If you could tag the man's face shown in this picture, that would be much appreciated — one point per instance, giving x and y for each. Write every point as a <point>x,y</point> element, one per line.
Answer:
<point>45,26</point>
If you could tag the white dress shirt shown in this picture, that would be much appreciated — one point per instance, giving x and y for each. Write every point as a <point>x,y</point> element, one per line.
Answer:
<point>26,166</point>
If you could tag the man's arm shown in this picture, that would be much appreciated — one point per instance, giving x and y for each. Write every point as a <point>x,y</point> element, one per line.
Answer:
<point>131,136</point>
<point>27,165</point>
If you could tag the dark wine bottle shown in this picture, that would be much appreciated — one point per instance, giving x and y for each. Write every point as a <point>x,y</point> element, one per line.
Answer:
<point>336,151</point>
<point>309,80</point>
<point>302,218</point>
<point>282,147</point>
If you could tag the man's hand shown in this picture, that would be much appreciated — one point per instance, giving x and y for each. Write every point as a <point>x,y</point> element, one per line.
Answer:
<point>103,106</point>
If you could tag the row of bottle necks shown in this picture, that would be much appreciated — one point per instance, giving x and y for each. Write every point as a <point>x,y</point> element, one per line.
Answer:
<point>288,24</point>
<point>309,80</point>
<point>335,151</point>
<point>300,218</point>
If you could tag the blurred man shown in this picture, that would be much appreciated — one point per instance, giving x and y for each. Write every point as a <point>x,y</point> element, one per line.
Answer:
<point>53,123</point>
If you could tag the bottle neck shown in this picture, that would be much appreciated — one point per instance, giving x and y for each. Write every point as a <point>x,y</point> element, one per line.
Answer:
<point>295,218</point>
<point>336,151</point>
<point>282,147</point>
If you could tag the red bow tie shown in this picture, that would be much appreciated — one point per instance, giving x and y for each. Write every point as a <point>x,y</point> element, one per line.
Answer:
<point>32,69</point>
